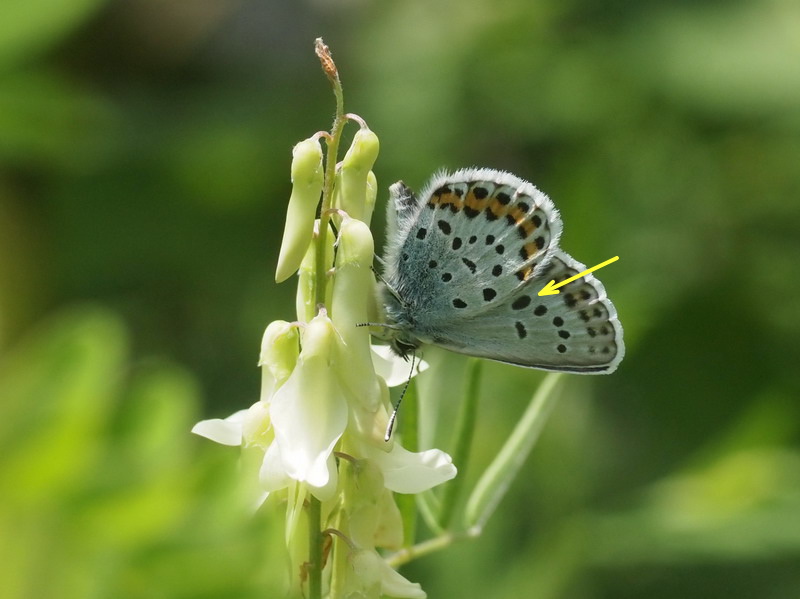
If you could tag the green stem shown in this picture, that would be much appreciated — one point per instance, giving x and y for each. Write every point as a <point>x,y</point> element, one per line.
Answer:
<point>407,554</point>
<point>321,277</point>
<point>339,122</point>
<point>407,503</point>
<point>314,549</point>
<point>495,481</point>
<point>341,548</point>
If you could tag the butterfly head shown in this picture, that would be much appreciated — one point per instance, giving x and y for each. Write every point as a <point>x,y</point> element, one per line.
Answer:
<point>398,328</point>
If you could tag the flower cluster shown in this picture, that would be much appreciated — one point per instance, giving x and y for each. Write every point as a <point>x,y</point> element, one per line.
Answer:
<point>324,405</point>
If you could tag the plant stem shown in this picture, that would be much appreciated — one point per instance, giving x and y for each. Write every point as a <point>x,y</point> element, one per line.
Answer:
<point>435,544</point>
<point>407,503</point>
<point>314,549</point>
<point>496,479</point>
<point>321,276</point>
<point>339,120</point>
<point>342,546</point>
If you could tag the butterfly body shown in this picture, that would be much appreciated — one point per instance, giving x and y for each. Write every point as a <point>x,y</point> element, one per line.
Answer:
<point>463,267</point>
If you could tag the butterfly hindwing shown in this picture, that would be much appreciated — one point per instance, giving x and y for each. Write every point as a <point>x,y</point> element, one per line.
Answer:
<point>576,330</point>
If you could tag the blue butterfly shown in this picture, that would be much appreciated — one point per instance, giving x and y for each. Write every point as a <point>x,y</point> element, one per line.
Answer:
<point>463,266</point>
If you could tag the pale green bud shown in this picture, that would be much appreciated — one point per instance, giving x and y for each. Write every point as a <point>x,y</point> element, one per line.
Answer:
<point>372,194</point>
<point>375,520</point>
<point>279,349</point>
<point>318,340</point>
<point>364,580</point>
<point>356,248</point>
<point>355,171</point>
<point>389,532</point>
<point>353,287</point>
<point>307,181</point>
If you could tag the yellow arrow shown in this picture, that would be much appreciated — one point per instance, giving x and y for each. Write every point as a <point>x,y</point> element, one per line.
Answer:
<point>551,288</point>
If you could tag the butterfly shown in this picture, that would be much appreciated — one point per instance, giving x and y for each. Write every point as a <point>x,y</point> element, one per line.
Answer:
<point>463,265</point>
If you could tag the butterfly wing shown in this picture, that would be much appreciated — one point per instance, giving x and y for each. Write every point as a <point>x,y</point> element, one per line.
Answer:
<point>470,241</point>
<point>466,263</point>
<point>576,330</point>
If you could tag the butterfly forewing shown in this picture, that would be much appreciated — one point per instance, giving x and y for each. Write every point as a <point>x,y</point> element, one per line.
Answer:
<point>476,236</point>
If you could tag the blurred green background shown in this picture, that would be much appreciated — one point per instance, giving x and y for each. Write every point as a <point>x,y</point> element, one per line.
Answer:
<point>144,170</point>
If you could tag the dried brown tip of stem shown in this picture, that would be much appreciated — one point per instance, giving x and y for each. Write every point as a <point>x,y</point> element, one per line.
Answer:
<point>325,58</point>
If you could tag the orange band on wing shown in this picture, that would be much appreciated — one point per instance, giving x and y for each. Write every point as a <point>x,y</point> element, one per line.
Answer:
<point>448,200</point>
<point>474,203</point>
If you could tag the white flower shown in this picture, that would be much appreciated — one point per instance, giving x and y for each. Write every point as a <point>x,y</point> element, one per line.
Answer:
<point>296,425</point>
<point>408,472</point>
<point>376,577</point>
<point>392,368</point>
<point>226,431</point>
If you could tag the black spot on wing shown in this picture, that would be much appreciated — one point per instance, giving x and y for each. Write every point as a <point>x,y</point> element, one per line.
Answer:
<point>521,302</point>
<point>471,212</point>
<point>480,192</point>
<point>470,265</point>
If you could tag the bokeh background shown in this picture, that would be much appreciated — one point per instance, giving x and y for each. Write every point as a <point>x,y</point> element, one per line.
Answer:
<point>144,170</point>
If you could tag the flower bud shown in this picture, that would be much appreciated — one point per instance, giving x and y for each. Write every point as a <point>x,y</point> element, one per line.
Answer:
<point>318,339</point>
<point>355,171</point>
<point>374,517</point>
<point>364,580</point>
<point>279,349</point>
<point>372,194</point>
<point>307,181</point>
<point>353,287</point>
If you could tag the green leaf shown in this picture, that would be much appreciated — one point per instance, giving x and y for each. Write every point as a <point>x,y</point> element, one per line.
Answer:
<point>494,483</point>
<point>464,432</point>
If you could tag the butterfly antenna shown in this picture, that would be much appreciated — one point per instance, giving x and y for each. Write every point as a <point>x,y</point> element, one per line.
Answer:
<point>393,417</point>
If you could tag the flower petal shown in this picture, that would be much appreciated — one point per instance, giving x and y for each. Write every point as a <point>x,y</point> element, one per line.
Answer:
<point>392,368</point>
<point>408,472</point>
<point>273,473</point>
<point>394,584</point>
<point>309,414</point>
<point>256,426</point>
<point>225,432</point>
<point>326,492</point>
